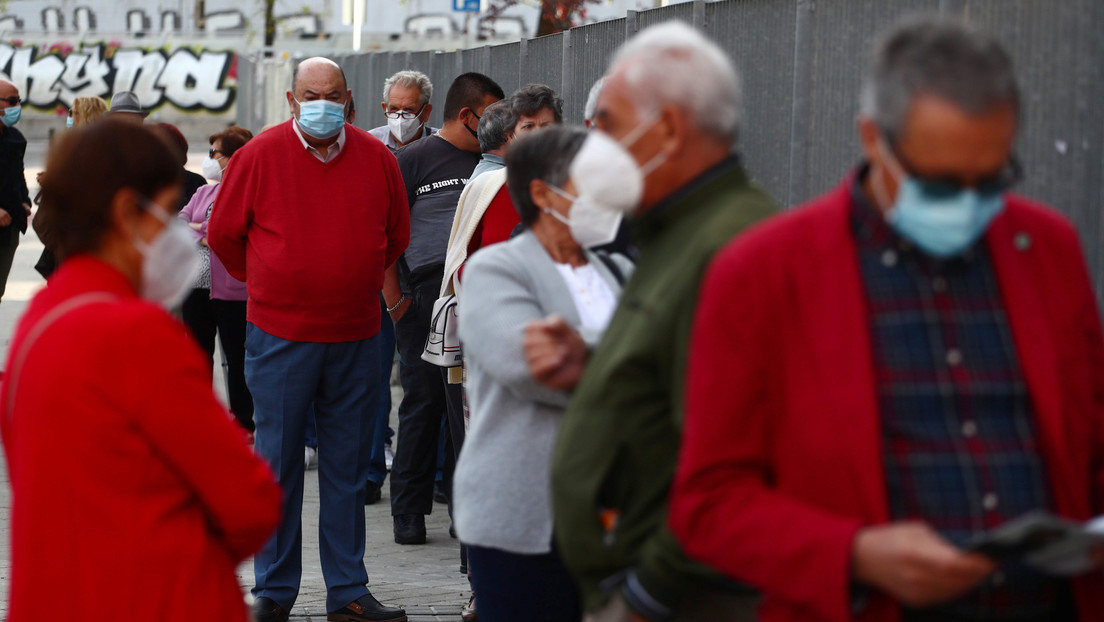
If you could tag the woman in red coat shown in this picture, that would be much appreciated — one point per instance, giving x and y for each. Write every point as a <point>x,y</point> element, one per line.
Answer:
<point>134,495</point>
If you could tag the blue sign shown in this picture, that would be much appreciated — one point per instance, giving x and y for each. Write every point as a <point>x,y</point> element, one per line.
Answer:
<point>470,6</point>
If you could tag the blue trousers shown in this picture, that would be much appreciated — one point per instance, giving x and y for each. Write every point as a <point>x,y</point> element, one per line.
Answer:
<point>341,380</point>
<point>377,468</point>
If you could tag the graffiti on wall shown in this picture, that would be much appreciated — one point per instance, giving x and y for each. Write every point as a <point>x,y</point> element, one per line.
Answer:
<point>55,75</point>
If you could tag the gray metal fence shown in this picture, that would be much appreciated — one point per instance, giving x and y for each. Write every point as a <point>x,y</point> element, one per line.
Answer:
<point>801,63</point>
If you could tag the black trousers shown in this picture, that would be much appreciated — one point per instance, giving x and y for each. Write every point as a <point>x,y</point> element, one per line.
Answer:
<point>426,398</point>
<point>205,318</point>
<point>230,318</point>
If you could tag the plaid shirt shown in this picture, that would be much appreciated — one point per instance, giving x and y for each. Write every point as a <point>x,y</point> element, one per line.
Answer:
<point>958,429</point>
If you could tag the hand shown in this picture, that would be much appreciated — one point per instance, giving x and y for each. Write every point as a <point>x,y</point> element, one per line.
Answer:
<point>203,242</point>
<point>27,208</point>
<point>398,313</point>
<point>556,354</point>
<point>5,218</point>
<point>196,226</point>
<point>912,563</point>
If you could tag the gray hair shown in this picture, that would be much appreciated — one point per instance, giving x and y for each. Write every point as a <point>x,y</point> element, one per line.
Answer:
<point>495,125</point>
<point>592,98</point>
<point>941,57</point>
<point>409,79</point>
<point>671,63</point>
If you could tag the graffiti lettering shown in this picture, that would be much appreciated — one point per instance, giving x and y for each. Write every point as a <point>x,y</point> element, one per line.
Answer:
<point>53,76</point>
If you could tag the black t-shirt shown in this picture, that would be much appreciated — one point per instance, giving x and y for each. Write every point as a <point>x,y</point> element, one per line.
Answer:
<point>435,173</point>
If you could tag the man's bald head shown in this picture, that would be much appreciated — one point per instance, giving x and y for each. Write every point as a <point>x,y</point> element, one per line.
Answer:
<point>7,89</point>
<point>317,70</point>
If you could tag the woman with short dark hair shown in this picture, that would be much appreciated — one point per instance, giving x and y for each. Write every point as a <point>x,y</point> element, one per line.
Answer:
<point>536,106</point>
<point>121,459</point>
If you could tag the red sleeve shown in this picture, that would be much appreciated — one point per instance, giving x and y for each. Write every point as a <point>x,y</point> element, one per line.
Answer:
<point>499,220</point>
<point>170,396</point>
<point>725,509</point>
<point>232,214</point>
<point>398,221</point>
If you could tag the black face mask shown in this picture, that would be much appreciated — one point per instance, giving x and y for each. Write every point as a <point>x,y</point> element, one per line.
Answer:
<point>467,127</point>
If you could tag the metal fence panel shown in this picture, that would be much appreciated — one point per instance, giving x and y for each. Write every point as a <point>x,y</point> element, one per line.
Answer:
<point>505,66</point>
<point>544,63</point>
<point>589,55</point>
<point>759,37</point>
<point>683,11</point>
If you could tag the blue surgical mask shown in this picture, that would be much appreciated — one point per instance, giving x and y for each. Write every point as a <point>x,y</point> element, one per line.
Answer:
<point>69,122</point>
<point>321,118</point>
<point>12,115</point>
<point>942,224</point>
<point>946,227</point>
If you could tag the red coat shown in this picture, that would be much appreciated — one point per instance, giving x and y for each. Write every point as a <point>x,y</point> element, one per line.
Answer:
<point>134,494</point>
<point>781,460</point>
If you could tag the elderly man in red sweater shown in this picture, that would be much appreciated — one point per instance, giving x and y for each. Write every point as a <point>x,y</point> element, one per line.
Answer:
<point>310,214</point>
<point>881,379</point>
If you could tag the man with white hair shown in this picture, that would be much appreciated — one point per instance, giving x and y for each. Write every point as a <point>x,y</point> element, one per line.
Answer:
<point>592,101</point>
<point>406,106</point>
<point>667,118</point>
<point>883,378</point>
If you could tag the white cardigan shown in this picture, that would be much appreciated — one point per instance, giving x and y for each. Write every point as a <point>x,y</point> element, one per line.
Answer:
<point>474,201</point>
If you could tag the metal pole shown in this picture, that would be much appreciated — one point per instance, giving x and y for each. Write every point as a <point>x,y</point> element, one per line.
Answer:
<point>802,83</point>
<point>358,23</point>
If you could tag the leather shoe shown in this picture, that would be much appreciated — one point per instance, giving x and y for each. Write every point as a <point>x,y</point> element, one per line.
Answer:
<point>410,529</point>
<point>367,608</point>
<point>267,610</point>
<point>372,493</point>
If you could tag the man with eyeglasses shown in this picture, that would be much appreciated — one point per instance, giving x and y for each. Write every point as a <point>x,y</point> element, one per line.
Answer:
<point>406,107</point>
<point>15,200</point>
<point>885,375</point>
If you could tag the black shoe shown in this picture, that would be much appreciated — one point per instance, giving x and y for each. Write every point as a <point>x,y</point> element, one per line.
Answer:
<point>410,529</point>
<point>371,493</point>
<point>267,610</point>
<point>367,608</point>
<point>439,493</point>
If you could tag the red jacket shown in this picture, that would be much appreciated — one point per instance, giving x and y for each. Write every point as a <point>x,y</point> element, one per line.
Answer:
<point>134,494</point>
<point>781,460</point>
<point>311,239</point>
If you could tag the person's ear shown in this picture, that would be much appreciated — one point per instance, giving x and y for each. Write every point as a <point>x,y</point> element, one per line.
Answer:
<point>383,106</point>
<point>869,135</point>
<point>674,129</point>
<point>291,103</point>
<point>426,112</point>
<point>540,193</point>
<point>125,212</point>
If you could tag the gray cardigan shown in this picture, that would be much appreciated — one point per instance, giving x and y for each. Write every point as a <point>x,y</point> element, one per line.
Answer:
<point>502,484</point>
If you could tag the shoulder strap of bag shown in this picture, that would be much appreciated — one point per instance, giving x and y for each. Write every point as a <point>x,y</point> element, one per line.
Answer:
<point>52,316</point>
<point>612,265</point>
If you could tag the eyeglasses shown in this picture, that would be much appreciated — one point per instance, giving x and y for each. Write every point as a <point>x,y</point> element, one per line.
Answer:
<point>14,100</point>
<point>404,114</point>
<point>211,153</point>
<point>947,187</point>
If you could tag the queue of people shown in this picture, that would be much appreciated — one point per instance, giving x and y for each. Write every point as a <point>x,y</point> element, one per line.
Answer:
<point>673,402</point>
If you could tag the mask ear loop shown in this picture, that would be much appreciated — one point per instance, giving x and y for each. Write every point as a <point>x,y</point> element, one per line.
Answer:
<point>877,184</point>
<point>563,193</point>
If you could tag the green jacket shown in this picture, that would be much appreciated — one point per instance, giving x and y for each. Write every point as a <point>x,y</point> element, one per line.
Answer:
<point>619,440</point>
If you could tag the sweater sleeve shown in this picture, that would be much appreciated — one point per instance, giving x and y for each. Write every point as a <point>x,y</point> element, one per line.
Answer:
<point>232,214</point>
<point>724,509</point>
<point>172,404</point>
<point>496,306</point>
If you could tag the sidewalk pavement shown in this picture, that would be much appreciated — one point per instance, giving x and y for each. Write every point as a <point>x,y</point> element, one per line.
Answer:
<point>424,579</point>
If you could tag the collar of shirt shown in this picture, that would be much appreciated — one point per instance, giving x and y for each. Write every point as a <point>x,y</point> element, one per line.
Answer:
<point>494,159</point>
<point>648,224</point>
<point>333,150</point>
